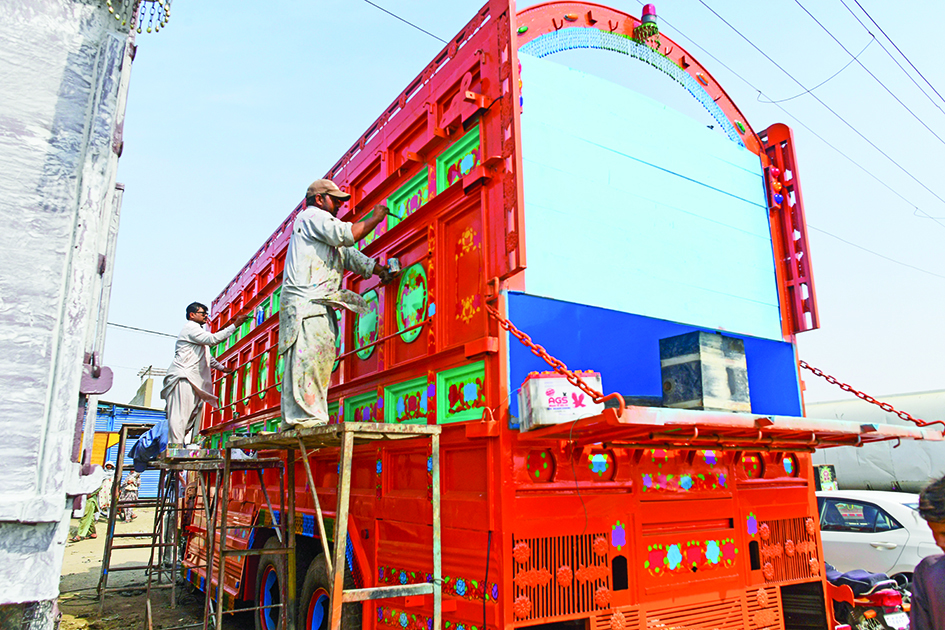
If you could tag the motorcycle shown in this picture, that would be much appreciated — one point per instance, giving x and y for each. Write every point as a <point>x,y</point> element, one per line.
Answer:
<point>868,601</point>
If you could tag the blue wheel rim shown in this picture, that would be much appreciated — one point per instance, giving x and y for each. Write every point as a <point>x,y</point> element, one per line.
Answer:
<point>270,596</point>
<point>318,610</point>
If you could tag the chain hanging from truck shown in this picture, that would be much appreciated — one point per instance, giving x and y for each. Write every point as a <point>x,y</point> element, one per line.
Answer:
<point>155,13</point>
<point>866,397</point>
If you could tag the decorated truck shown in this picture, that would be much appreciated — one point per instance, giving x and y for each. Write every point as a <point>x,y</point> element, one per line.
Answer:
<point>667,261</point>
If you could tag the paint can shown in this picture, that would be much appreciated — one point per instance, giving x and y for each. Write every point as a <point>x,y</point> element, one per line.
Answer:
<point>393,265</point>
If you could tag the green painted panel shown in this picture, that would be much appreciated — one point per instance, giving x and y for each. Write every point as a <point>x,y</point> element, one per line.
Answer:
<point>458,160</point>
<point>361,408</point>
<point>412,298</point>
<point>406,403</point>
<point>460,393</point>
<point>408,199</point>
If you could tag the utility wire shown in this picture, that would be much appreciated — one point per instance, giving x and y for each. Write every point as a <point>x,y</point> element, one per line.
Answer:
<point>142,330</point>
<point>829,109</point>
<point>865,249</point>
<point>891,56</point>
<point>828,79</point>
<point>819,137</point>
<point>869,72</point>
<point>394,15</point>
<point>896,47</point>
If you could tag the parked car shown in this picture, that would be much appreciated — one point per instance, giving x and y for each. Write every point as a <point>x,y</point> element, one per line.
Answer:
<point>880,532</point>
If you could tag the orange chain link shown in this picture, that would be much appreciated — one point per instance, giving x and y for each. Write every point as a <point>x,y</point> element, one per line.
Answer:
<point>862,396</point>
<point>556,365</point>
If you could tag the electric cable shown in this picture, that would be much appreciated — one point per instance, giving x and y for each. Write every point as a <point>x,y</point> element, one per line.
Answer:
<point>891,56</point>
<point>394,15</point>
<point>865,249</point>
<point>819,137</point>
<point>825,81</point>
<point>896,47</point>
<point>142,330</point>
<point>829,109</point>
<point>869,72</point>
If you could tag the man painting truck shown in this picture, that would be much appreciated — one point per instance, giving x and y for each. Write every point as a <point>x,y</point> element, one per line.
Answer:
<point>667,259</point>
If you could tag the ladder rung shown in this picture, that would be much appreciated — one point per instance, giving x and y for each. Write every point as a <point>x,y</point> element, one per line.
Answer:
<point>384,592</point>
<point>137,567</point>
<point>133,535</point>
<point>141,546</point>
<point>255,552</point>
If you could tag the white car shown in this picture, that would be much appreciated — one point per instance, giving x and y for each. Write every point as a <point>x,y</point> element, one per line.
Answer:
<point>880,532</point>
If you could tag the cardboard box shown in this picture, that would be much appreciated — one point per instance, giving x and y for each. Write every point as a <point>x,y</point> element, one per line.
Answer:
<point>548,398</point>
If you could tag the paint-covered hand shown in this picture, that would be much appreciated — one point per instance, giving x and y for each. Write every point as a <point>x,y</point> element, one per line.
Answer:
<point>383,273</point>
<point>240,319</point>
<point>381,211</point>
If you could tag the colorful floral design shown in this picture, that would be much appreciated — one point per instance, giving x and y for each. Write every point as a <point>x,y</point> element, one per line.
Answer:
<point>411,301</point>
<point>365,327</point>
<point>752,524</point>
<point>709,457</point>
<point>599,463</point>
<point>618,535</point>
<point>713,552</point>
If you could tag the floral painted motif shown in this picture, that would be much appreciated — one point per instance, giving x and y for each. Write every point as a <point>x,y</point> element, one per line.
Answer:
<point>564,576</point>
<point>600,546</point>
<point>618,621</point>
<point>602,597</point>
<point>522,607</point>
<point>365,327</point>
<point>765,531</point>
<point>412,300</point>
<point>466,588</point>
<point>689,556</point>
<point>673,557</point>
<point>522,553</point>
<point>467,307</point>
<point>713,552</point>
<point>618,535</point>
<point>752,524</point>
<point>468,241</point>
<point>599,462</point>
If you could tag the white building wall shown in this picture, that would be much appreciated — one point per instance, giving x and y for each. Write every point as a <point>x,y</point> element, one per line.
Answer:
<point>64,65</point>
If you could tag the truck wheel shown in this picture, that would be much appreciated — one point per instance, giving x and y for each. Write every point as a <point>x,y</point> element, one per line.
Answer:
<point>270,575</point>
<point>315,600</point>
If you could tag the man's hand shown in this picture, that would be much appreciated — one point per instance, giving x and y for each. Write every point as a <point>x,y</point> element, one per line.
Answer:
<point>380,211</point>
<point>240,319</point>
<point>383,273</point>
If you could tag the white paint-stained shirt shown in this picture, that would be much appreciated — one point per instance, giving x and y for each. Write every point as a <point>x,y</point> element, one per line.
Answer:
<point>192,360</point>
<point>320,250</point>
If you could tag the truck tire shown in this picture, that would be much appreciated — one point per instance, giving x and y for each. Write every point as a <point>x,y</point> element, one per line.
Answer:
<point>270,575</point>
<point>315,601</point>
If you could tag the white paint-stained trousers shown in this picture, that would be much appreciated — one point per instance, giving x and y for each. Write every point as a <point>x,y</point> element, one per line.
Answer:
<point>183,410</point>
<point>308,365</point>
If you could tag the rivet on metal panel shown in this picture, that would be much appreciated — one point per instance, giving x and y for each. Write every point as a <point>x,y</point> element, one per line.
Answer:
<point>590,18</point>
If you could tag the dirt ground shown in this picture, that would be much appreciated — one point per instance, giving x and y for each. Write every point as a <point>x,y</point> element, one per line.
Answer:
<point>125,609</point>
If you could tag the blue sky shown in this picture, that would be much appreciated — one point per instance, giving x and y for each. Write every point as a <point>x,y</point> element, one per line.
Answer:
<point>234,108</point>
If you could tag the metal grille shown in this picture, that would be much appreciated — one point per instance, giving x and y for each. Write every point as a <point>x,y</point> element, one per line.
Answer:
<point>724,614</point>
<point>764,608</point>
<point>791,550</point>
<point>537,578</point>
<point>606,621</point>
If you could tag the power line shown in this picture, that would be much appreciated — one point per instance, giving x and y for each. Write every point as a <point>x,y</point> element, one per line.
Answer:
<point>819,137</point>
<point>142,330</point>
<point>865,249</point>
<point>422,30</point>
<point>891,56</point>
<point>896,47</point>
<point>869,72</point>
<point>824,82</point>
<point>828,108</point>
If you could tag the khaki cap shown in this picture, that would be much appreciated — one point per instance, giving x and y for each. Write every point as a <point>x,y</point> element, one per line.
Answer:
<point>326,187</point>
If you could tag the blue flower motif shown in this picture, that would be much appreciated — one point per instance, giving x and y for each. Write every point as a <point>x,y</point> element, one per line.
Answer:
<point>673,557</point>
<point>599,463</point>
<point>380,614</point>
<point>788,465</point>
<point>430,464</point>
<point>378,467</point>
<point>460,587</point>
<point>685,482</point>
<point>403,577</point>
<point>403,620</point>
<point>495,592</point>
<point>713,552</point>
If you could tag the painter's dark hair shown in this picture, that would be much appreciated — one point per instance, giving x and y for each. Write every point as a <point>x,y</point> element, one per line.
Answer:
<point>932,501</point>
<point>194,307</point>
<point>310,201</point>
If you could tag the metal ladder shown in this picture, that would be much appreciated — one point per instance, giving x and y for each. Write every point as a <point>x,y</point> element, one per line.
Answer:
<point>343,436</point>
<point>127,431</point>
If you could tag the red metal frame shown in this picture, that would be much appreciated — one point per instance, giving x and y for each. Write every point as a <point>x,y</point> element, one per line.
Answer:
<point>789,233</point>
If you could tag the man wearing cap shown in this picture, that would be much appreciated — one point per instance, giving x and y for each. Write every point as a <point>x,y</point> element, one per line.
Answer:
<point>321,248</point>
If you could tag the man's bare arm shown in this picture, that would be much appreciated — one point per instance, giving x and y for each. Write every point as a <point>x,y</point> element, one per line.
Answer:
<point>364,227</point>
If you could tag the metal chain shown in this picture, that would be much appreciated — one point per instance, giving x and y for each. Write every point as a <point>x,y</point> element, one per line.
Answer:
<point>866,397</point>
<point>556,365</point>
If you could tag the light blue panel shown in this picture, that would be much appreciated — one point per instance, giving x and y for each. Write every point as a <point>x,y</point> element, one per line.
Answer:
<point>634,207</point>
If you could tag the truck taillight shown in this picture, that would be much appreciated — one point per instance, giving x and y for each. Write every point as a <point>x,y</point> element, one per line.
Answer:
<point>887,598</point>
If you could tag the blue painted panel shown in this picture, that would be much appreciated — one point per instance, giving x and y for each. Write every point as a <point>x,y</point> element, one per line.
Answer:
<point>624,348</point>
<point>631,206</point>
